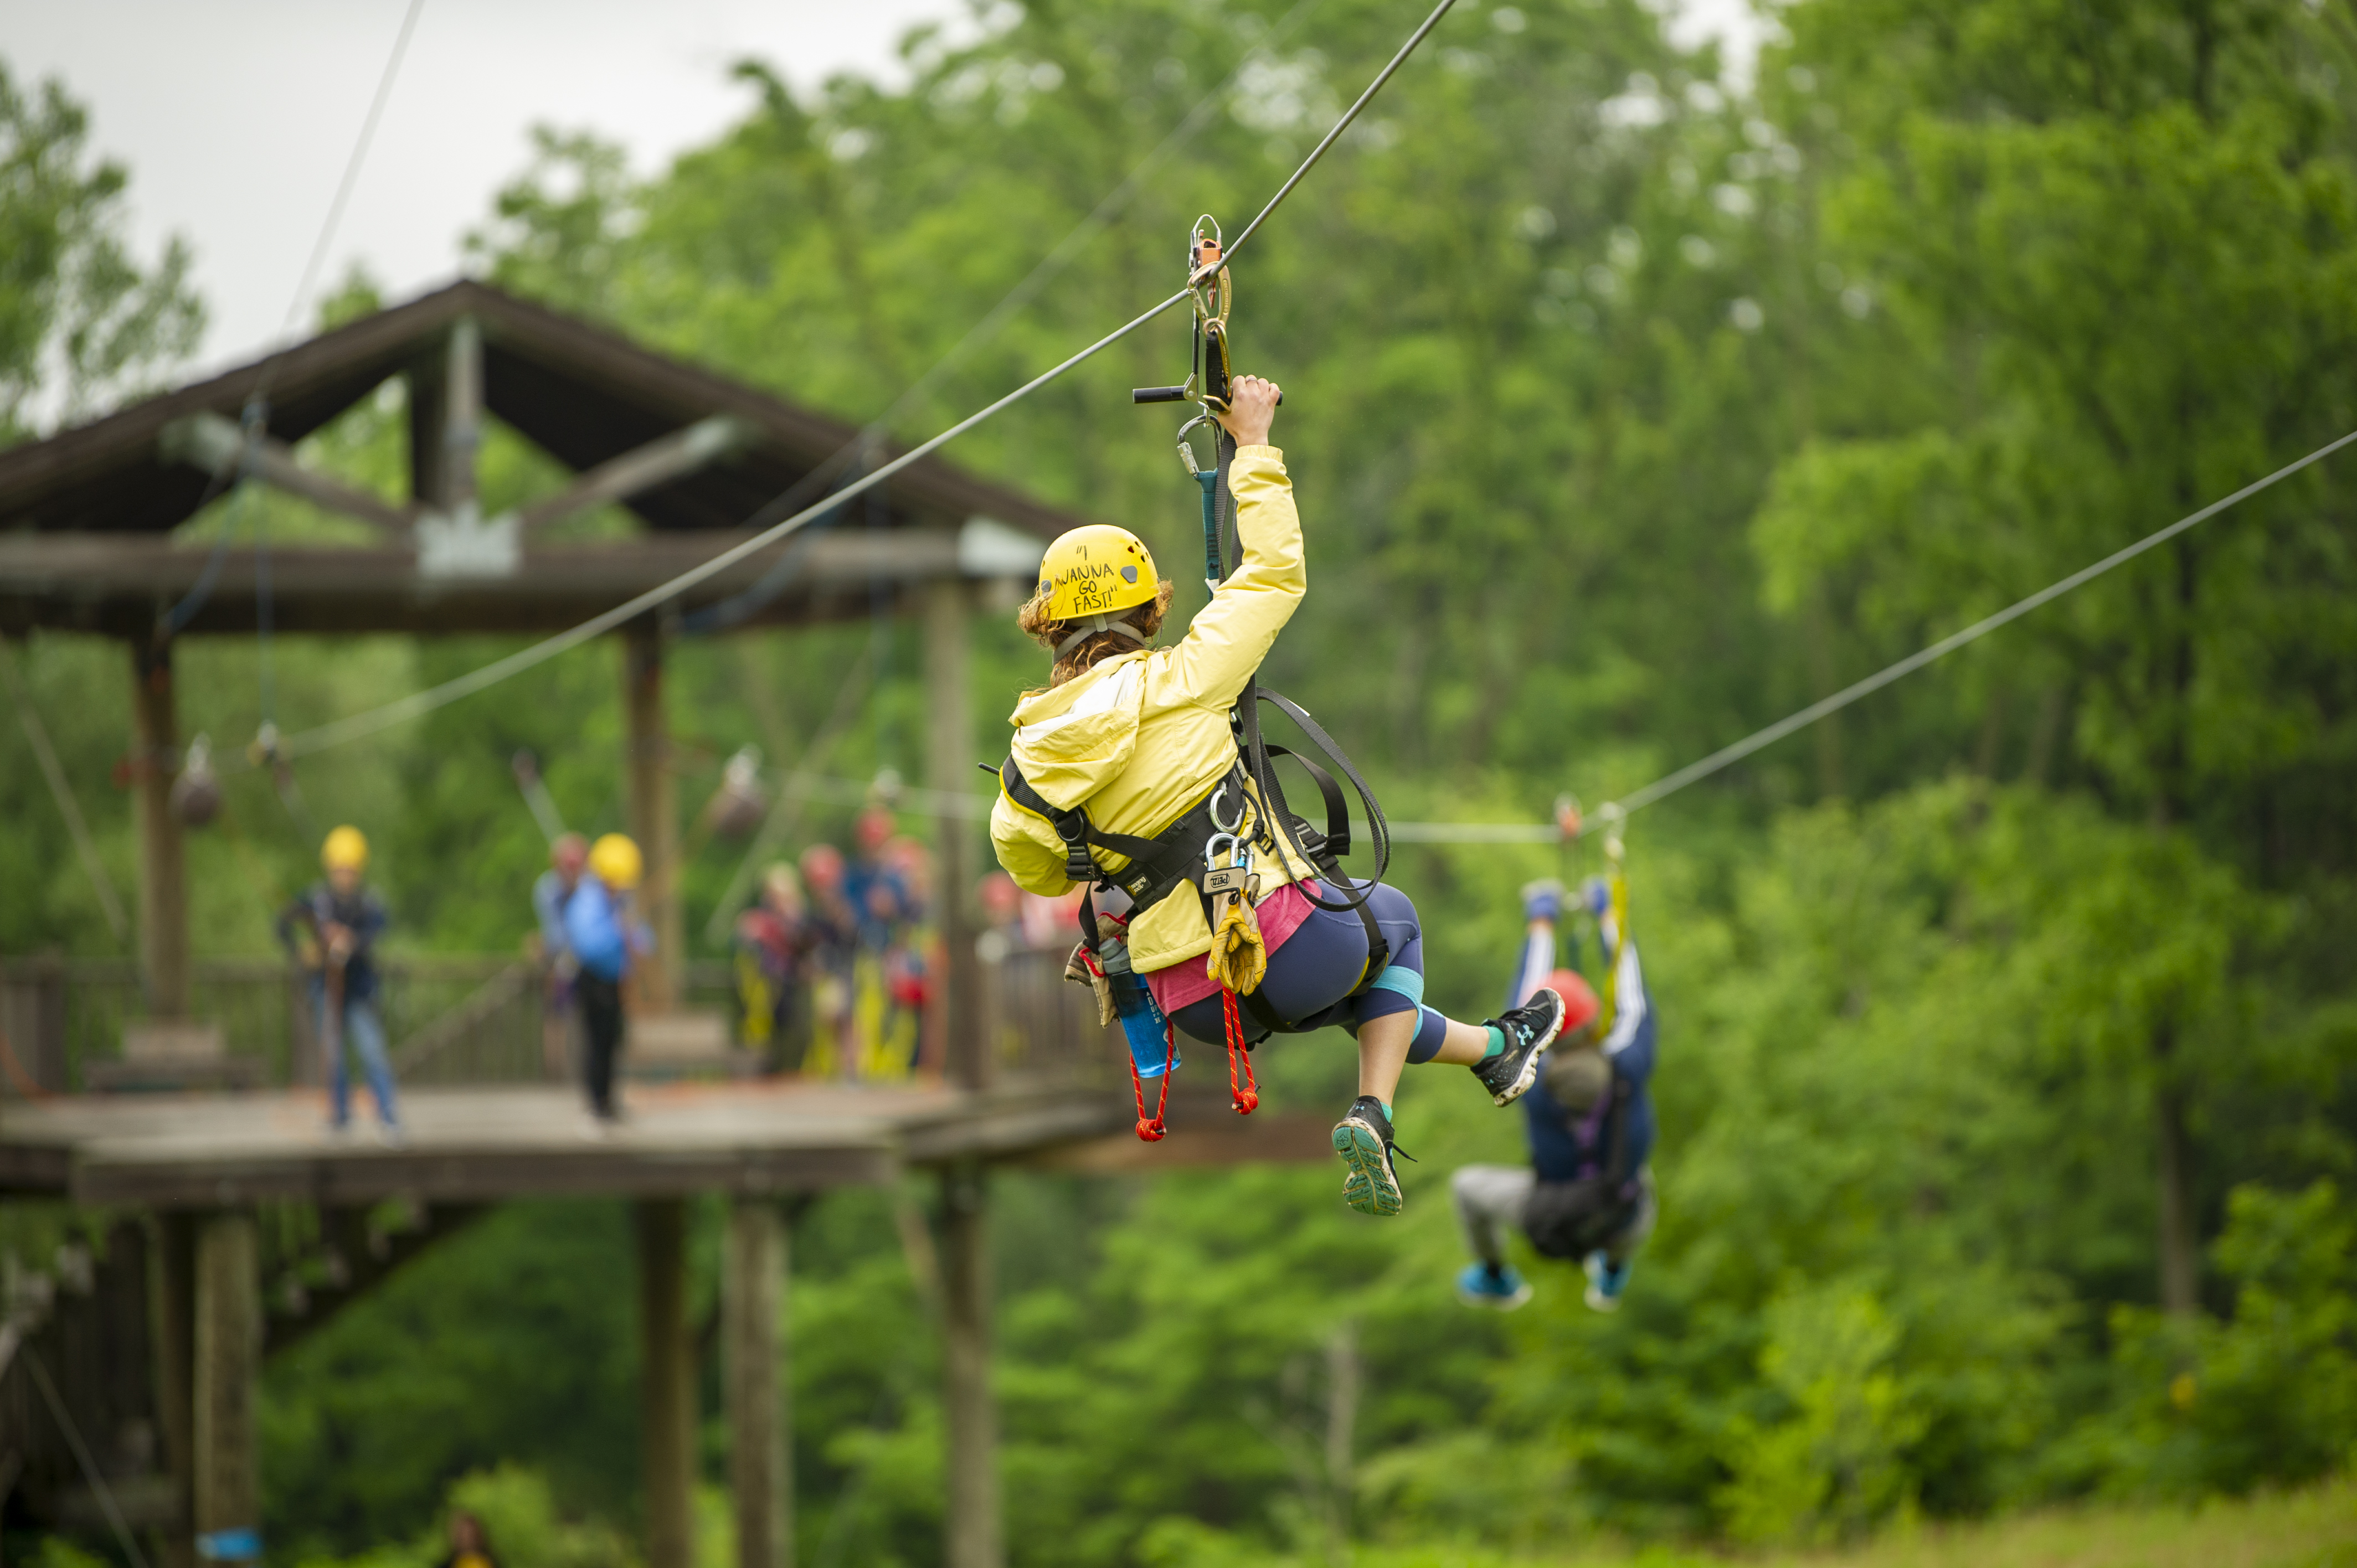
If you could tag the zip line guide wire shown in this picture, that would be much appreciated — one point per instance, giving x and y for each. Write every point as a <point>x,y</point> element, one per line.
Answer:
<point>1671,783</point>
<point>356,726</point>
<point>938,803</point>
<point>311,741</point>
<point>731,611</point>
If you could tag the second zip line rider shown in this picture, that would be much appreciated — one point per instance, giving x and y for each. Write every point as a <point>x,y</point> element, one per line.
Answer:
<point>1133,742</point>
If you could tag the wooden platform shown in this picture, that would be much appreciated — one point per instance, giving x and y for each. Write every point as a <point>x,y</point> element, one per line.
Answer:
<point>485,1143</point>
<point>480,1144</point>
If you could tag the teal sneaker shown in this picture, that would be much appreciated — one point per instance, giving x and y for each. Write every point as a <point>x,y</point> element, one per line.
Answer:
<point>1363,1139</point>
<point>1493,1286</point>
<point>1606,1280</point>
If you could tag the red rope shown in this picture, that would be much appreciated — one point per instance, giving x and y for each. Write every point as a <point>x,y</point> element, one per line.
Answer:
<point>1245,1095</point>
<point>1153,1131</point>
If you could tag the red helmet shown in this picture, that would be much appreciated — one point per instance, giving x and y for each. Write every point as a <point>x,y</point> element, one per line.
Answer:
<point>822,867</point>
<point>1579,1005</point>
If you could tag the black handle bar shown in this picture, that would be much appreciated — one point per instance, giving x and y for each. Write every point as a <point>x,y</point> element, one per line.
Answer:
<point>1172,394</point>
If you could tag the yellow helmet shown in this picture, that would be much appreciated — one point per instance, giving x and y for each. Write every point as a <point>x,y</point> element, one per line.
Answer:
<point>345,850</point>
<point>1096,570</point>
<point>616,860</point>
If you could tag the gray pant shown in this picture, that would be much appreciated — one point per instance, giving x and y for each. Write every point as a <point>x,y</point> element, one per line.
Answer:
<point>1489,1202</point>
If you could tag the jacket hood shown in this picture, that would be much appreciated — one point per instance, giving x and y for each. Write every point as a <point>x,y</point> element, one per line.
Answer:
<point>1073,739</point>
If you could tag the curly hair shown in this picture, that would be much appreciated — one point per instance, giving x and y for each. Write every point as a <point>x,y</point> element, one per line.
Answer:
<point>1145,619</point>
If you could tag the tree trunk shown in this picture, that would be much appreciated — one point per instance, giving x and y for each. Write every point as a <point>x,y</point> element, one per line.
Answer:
<point>2180,1253</point>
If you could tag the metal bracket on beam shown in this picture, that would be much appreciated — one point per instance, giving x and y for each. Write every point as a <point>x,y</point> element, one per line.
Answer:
<point>468,545</point>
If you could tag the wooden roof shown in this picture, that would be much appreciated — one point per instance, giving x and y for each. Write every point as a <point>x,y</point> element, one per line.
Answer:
<point>583,393</point>
<point>86,515</point>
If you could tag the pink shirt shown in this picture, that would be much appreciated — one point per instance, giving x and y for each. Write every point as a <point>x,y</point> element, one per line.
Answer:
<point>1281,914</point>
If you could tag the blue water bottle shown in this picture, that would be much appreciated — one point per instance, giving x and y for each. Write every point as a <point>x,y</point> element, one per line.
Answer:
<point>1151,1047</point>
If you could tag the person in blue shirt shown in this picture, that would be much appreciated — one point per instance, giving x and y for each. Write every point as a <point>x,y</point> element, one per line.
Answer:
<point>1587,1193</point>
<point>568,856</point>
<point>604,938</point>
<point>333,929</point>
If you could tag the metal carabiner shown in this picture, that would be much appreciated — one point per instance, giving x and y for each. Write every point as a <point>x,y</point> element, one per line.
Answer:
<point>1186,448</point>
<point>1230,825</point>
<point>1211,849</point>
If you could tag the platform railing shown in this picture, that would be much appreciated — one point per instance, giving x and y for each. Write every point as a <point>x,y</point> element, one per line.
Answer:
<point>458,1019</point>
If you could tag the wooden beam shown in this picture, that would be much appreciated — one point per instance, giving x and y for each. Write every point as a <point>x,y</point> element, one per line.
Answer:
<point>654,816</point>
<point>217,447</point>
<point>163,869</point>
<point>226,1485</point>
<point>1204,1133</point>
<point>462,418</point>
<point>754,1383</point>
<point>364,1267</point>
<point>175,1321</point>
<point>972,1525</point>
<point>949,757</point>
<point>112,583</point>
<point>667,1383</point>
<point>659,461</point>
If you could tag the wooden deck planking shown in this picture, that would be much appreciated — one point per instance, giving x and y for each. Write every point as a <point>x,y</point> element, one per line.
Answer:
<point>486,1144</point>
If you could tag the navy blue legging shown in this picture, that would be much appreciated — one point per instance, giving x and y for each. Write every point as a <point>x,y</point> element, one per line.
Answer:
<point>1311,975</point>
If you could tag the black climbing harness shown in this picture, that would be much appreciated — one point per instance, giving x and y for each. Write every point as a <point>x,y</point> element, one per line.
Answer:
<point>1248,804</point>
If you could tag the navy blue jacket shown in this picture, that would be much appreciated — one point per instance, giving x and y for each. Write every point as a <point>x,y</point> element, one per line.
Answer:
<point>1565,1147</point>
<point>363,912</point>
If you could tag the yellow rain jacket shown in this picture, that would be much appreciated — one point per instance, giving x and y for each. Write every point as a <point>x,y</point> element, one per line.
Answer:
<point>1142,737</point>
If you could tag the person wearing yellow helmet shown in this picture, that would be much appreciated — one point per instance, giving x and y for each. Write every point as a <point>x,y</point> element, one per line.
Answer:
<point>604,936</point>
<point>568,857</point>
<point>1124,773</point>
<point>331,930</point>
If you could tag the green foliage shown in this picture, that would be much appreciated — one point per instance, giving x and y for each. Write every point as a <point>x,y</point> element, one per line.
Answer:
<point>1628,410</point>
<point>82,322</point>
<point>2268,1394</point>
<point>513,1341</point>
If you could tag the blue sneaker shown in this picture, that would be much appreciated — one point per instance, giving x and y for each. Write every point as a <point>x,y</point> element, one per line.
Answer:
<point>1493,1285</point>
<point>1606,1280</point>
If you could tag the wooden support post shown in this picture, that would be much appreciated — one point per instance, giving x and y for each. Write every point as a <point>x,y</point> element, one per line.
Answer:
<point>163,874</point>
<point>949,765</point>
<point>462,417</point>
<point>974,1526</point>
<point>174,1323</point>
<point>654,815</point>
<point>225,1479</point>
<point>667,1382</point>
<point>753,1366</point>
<point>445,423</point>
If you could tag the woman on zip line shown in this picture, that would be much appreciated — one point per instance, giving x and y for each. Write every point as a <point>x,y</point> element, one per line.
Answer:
<point>1137,738</point>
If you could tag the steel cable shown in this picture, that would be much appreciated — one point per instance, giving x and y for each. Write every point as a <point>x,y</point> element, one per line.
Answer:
<point>416,705</point>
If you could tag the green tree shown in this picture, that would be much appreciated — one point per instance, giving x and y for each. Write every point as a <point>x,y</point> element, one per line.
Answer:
<point>82,322</point>
<point>2122,256</point>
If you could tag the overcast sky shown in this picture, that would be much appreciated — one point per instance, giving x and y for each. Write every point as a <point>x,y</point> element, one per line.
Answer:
<point>236,116</point>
